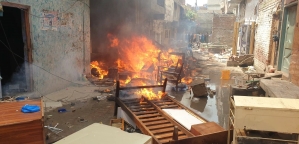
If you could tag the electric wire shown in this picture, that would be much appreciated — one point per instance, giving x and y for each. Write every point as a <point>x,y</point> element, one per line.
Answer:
<point>8,43</point>
<point>14,54</point>
<point>44,68</point>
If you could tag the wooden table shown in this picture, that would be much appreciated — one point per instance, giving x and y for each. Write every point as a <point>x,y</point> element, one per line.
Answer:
<point>17,127</point>
<point>279,88</point>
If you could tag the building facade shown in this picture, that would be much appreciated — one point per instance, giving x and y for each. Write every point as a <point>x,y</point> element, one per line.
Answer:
<point>55,37</point>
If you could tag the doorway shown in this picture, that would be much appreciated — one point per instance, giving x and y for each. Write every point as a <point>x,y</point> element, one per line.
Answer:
<point>287,39</point>
<point>14,50</point>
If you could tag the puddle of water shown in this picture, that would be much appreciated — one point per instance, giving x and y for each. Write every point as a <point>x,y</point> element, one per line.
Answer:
<point>213,108</point>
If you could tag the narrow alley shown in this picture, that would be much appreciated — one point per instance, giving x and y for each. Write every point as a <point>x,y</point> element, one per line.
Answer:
<point>149,72</point>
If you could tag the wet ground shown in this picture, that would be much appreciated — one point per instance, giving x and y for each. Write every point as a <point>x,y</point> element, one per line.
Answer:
<point>213,108</point>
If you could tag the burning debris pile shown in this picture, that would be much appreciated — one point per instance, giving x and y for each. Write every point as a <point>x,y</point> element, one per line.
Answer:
<point>137,64</point>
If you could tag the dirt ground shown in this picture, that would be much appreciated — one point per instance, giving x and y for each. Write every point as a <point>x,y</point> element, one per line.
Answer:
<point>92,111</point>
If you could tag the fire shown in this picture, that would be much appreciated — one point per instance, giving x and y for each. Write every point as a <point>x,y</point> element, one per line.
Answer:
<point>135,52</point>
<point>171,60</point>
<point>187,80</point>
<point>113,40</point>
<point>99,67</point>
<point>138,56</point>
<point>149,94</point>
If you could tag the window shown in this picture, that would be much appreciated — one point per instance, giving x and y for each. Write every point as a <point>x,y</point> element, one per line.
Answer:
<point>172,33</point>
<point>166,33</point>
<point>161,3</point>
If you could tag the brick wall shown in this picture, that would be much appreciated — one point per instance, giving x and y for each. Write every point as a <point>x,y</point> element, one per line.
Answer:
<point>223,29</point>
<point>263,37</point>
<point>294,66</point>
<point>205,20</point>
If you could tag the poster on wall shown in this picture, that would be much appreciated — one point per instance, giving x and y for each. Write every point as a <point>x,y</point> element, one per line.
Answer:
<point>50,20</point>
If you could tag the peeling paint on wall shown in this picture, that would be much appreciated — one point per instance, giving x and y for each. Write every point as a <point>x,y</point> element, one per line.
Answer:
<point>60,53</point>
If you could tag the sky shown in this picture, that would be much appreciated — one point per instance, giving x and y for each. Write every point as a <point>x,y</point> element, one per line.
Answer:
<point>199,2</point>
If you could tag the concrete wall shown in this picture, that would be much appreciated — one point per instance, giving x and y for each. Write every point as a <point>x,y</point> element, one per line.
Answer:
<point>205,21</point>
<point>263,37</point>
<point>223,29</point>
<point>59,51</point>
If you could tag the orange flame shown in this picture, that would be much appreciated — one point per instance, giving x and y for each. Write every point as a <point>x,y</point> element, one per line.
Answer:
<point>99,67</point>
<point>136,52</point>
<point>149,94</point>
<point>187,80</point>
<point>113,40</point>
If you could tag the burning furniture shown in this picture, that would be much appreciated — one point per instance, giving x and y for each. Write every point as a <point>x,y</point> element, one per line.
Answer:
<point>151,117</point>
<point>174,74</point>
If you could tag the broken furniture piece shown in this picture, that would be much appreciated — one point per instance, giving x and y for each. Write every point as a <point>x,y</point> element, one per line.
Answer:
<point>206,128</point>
<point>164,64</point>
<point>99,133</point>
<point>173,75</point>
<point>17,127</point>
<point>151,118</point>
<point>118,123</point>
<point>251,125</point>
<point>199,89</point>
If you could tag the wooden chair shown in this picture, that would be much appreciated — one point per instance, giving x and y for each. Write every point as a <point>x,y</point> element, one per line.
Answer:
<point>163,64</point>
<point>174,76</point>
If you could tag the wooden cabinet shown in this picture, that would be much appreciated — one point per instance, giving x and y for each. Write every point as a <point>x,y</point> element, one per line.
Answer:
<point>21,128</point>
<point>263,114</point>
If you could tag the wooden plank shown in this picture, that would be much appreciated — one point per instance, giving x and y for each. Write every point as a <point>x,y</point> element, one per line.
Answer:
<point>242,132</point>
<point>141,87</point>
<point>142,109</point>
<point>22,133</point>
<point>156,122</point>
<point>161,101</point>
<point>145,112</point>
<point>235,38</point>
<point>135,102</point>
<point>165,135</point>
<point>152,119</point>
<point>180,127</point>
<point>149,115</point>
<point>169,106</point>
<point>11,112</point>
<point>160,126</point>
<point>141,106</point>
<point>163,130</point>
<point>137,121</point>
<point>164,103</point>
<point>130,100</point>
<point>10,4</point>
<point>252,35</point>
<point>216,138</point>
<point>166,140</point>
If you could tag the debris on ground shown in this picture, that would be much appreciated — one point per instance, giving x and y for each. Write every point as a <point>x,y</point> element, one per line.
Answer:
<point>82,120</point>
<point>54,129</point>
<point>111,98</point>
<point>99,98</point>
<point>62,110</point>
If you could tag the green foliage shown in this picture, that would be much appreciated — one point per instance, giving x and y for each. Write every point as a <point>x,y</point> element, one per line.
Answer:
<point>190,14</point>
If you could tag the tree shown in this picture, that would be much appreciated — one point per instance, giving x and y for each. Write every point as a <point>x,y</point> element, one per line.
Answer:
<point>190,14</point>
